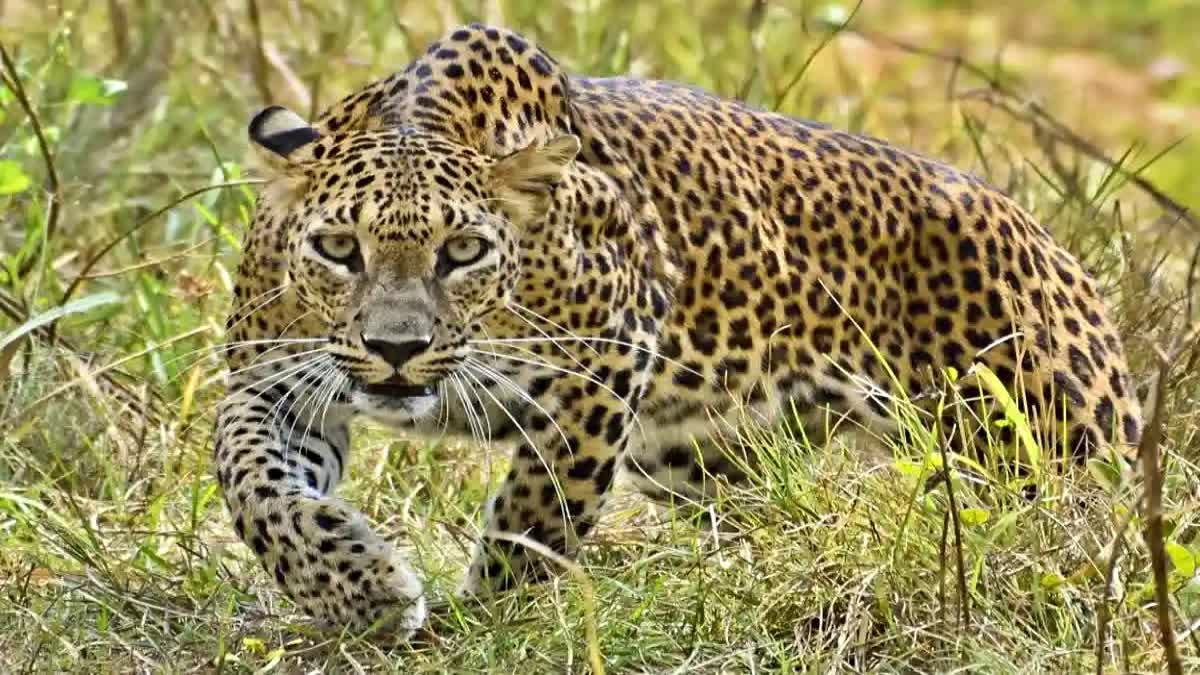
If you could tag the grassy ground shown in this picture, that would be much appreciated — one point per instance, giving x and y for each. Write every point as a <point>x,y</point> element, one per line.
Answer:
<point>116,554</point>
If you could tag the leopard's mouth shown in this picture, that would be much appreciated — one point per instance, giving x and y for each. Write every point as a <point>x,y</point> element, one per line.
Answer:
<point>394,402</point>
<point>396,387</point>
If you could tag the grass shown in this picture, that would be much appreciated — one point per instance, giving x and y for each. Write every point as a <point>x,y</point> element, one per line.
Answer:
<point>121,214</point>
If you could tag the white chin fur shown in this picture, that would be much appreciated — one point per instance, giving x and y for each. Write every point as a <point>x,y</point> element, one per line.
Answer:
<point>393,412</point>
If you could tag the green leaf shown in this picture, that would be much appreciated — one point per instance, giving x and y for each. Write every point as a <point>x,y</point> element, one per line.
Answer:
<point>74,307</point>
<point>1105,473</point>
<point>12,178</point>
<point>1012,413</point>
<point>908,468</point>
<point>1051,580</point>
<point>1181,558</point>
<point>254,645</point>
<point>973,516</point>
<point>89,89</point>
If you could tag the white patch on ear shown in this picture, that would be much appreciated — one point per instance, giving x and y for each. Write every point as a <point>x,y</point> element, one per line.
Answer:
<point>275,120</point>
<point>279,137</point>
<point>281,131</point>
<point>524,178</point>
<point>281,142</point>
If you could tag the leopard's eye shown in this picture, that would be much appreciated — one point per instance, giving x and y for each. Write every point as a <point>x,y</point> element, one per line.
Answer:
<point>339,248</point>
<point>464,250</point>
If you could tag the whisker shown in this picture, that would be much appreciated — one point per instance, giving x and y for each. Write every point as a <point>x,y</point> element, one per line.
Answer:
<point>544,334</point>
<point>229,346</point>
<point>468,411</point>
<point>286,405</point>
<point>533,340</point>
<point>443,417</point>
<point>270,380</point>
<point>505,381</point>
<point>278,409</point>
<point>321,380</point>
<point>635,417</point>
<point>481,414</point>
<point>325,396</point>
<point>342,380</point>
<point>488,200</point>
<point>278,291</point>
<point>278,374</point>
<point>264,364</point>
<point>254,366</point>
<point>533,446</point>
<point>519,306</point>
<point>562,349</point>
<point>331,379</point>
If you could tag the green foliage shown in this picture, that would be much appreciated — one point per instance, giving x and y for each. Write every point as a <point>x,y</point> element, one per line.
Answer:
<point>13,179</point>
<point>89,89</point>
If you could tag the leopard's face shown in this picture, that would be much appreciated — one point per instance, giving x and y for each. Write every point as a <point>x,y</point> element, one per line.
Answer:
<point>401,242</point>
<point>399,254</point>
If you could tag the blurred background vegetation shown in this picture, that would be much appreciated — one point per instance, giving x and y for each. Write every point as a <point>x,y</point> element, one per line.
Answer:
<point>124,198</point>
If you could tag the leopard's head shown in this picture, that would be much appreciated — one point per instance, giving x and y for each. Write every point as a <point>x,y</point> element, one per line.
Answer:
<point>401,242</point>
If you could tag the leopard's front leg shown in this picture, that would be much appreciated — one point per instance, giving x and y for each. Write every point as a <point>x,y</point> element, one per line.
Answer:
<point>562,470</point>
<point>278,461</point>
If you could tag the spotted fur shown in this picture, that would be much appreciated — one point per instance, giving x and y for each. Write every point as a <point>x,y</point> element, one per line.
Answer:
<point>607,273</point>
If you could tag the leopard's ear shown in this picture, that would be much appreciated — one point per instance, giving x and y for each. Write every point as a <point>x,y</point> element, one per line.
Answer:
<point>279,135</point>
<point>523,179</point>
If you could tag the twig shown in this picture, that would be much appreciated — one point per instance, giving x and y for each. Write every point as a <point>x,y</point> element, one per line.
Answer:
<point>118,23</point>
<point>1036,116</point>
<point>754,19</point>
<point>1193,282</point>
<point>1155,538</point>
<point>12,81</point>
<point>260,54</point>
<point>837,29</point>
<point>110,367</point>
<point>85,271</point>
<point>1103,613</point>
<point>1154,529</point>
<point>942,564</point>
<point>146,264</point>
<point>963,599</point>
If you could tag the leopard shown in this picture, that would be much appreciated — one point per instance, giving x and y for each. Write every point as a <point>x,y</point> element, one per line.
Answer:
<point>610,276</point>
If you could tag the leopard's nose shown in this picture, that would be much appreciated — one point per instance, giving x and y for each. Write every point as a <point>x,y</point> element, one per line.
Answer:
<point>396,352</point>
